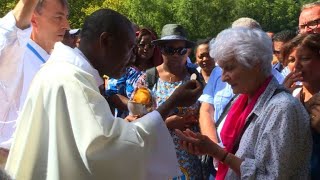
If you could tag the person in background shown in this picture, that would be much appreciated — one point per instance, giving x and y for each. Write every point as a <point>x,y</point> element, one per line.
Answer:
<point>246,22</point>
<point>147,56</point>
<point>23,51</point>
<point>305,56</point>
<point>72,38</point>
<point>253,24</point>
<point>266,133</point>
<point>270,34</point>
<point>172,73</point>
<point>67,131</point>
<point>203,59</point>
<point>279,39</point>
<point>287,54</point>
<point>309,20</point>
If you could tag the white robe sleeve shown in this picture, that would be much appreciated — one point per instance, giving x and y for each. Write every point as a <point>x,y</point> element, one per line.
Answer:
<point>67,131</point>
<point>12,49</point>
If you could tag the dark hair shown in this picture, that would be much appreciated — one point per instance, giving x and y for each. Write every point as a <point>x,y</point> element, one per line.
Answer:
<point>202,41</point>
<point>146,31</point>
<point>104,20</point>
<point>41,3</point>
<point>310,41</point>
<point>284,36</point>
<point>156,58</point>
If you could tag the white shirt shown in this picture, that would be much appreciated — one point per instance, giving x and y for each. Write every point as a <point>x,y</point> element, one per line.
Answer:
<point>279,77</point>
<point>18,65</point>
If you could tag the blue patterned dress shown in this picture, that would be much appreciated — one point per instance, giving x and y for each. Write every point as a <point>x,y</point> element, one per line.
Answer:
<point>189,164</point>
<point>126,85</point>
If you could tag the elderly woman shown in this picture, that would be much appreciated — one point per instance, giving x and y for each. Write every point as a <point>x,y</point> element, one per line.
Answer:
<point>304,55</point>
<point>266,134</point>
<point>147,55</point>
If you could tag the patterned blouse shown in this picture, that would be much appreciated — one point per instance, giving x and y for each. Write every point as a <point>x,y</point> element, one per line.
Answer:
<point>189,164</point>
<point>277,144</point>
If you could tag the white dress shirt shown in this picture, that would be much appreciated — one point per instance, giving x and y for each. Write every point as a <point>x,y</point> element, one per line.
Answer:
<point>18,65</point>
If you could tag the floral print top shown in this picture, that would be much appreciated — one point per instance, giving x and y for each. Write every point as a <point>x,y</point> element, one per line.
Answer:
<point>190,164</point>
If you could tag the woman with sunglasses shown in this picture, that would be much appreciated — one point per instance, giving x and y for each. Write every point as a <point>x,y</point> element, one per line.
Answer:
<point>147,55</point>
<point>303,52</point>
<point>172,73</point>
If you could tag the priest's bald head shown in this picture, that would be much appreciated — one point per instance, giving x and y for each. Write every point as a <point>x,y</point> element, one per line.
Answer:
<point>108,40</point>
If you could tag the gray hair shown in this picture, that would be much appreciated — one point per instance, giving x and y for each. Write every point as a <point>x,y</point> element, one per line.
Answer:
<point>246,22</point>
<point>310,5</point>
<point>41,3</point>
<point>246,45</point>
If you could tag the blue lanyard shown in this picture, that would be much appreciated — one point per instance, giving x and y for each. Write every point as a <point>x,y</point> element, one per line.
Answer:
<point>36,53</point>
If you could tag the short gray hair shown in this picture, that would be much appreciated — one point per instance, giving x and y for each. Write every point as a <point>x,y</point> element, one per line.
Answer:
<point>41,3</point>
<point>246,22</point>
<point>310,5</point>
<point>246,45</point>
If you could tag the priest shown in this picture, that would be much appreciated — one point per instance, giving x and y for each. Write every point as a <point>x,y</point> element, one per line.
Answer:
<point>66,129</point>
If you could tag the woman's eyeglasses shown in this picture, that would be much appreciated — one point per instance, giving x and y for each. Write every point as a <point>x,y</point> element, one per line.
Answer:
<point>149,45</point>
<point>276,52</point>
<point>171,51</point>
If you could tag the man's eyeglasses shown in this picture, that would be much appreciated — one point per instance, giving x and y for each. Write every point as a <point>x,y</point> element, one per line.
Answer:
<point>171,51</point>
<point>310,25</point>
<point>149,46</point>
<point>276,52</point>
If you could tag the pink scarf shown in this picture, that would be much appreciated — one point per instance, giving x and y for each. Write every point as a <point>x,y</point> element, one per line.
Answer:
<point>235,122</point>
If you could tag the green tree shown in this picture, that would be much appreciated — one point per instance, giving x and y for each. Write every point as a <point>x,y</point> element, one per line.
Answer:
<point>201,18</point>
<point>6,6</point>
<point>273,15</point>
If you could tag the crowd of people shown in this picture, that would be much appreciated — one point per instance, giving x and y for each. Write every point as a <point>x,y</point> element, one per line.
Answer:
<point>248,108</point>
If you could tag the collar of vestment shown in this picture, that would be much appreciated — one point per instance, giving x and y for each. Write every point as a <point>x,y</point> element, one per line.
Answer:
<point>75,57</point>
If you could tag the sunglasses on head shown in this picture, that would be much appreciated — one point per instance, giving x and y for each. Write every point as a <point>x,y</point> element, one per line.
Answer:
<point>171,51</point>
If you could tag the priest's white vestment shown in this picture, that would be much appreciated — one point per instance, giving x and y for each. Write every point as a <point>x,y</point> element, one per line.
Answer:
<point>66,130</point>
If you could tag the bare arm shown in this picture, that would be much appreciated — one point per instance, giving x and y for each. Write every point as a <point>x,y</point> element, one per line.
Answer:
<point>23,12</point>
<point>119,101</point>
<point>185,95</point>
<point>206,121</point>
<point>234,163</point>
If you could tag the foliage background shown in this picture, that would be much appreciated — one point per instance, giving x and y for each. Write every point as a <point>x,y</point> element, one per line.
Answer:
<point>201,18</point>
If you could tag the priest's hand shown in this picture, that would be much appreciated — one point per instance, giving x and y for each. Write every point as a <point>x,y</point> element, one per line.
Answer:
<point>186,94</point>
